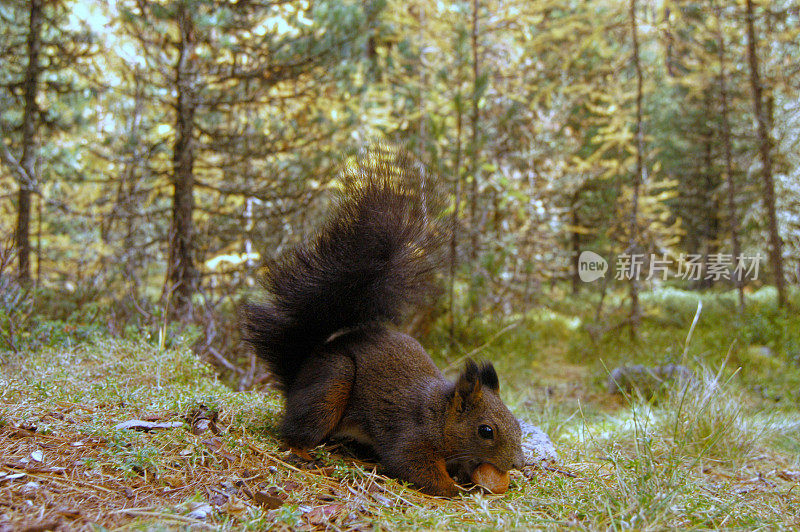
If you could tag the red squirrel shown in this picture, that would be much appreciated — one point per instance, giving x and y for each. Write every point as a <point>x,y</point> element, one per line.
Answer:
<point>326,332</point>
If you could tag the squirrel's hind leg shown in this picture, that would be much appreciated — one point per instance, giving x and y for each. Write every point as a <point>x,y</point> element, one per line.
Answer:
<point>316,400</point>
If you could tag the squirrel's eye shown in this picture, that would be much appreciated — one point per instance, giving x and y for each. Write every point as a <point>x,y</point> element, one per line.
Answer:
<point>485,432</point>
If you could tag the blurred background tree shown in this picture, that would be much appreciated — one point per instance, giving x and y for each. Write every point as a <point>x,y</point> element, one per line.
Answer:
<point>157,153</point>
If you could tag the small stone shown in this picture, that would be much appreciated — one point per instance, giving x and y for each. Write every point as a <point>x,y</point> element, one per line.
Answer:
<point>536,445</point>
<point>647,381</point>
<point>200,511</point>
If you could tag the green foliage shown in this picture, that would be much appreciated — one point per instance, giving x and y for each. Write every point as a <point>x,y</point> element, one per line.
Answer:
<point>688,461</point>
<point>524,111</point>
<point>526,114</point>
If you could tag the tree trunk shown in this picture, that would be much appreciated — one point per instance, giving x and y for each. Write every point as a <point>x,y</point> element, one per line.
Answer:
<point>183,276</point>
<point>39,214</point>
<point>423,85</point>
<point>474,119</point>
<point>30,120</point>
<point>22,238</point>
<point>668,49</point>
<point>710,202</point>
<point>454,236</point>
<point>576,243</point>
<point>764,148</point>
<point>128,204</point>
<point>633,245</point>
<point>474,218</point>
<point>733,221</point>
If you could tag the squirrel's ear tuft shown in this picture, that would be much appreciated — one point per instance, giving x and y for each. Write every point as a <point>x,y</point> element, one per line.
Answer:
<point>468,386</point>
<point>488,376</point>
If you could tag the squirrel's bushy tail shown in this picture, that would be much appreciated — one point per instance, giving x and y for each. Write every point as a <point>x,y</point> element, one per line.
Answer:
<point>374,258</point>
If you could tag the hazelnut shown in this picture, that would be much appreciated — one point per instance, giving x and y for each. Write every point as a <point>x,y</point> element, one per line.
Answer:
<point>489,477</point>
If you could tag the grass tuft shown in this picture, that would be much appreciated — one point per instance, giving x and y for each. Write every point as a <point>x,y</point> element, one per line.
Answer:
<point>713,452</point>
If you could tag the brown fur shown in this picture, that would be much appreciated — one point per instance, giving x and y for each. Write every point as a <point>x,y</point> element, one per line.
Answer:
<point>423,427</point>
<point>325,331</point>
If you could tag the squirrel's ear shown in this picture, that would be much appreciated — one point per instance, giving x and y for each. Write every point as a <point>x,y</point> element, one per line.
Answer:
<point>468,387</point>
<point>488,376</point>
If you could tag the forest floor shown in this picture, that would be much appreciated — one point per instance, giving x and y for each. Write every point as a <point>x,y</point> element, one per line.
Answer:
<point>720,451</point>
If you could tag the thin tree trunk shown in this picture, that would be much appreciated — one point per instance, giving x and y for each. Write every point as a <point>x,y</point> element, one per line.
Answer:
<point>182,272</point>
<point>474,141</point>
<point>576,243</point>
<point>733,220</point>
<point>764,148</point>
<point>129,206</point>
<point>39,214</point>
<point>30,120</point>
<point>22,238</point>
<point>633,245</point>
<point>423,83</point>
<point>474,119</point>
<point>668,49</point>
<point>456,211</point>
<point>710,228</point>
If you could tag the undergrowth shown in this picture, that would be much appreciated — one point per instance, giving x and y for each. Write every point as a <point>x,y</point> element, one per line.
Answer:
<point>719,450</point>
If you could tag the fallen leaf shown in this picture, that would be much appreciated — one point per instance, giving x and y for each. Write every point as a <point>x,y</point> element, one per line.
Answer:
<point>217,447</point>
<point>218,499</point>
<point>202,419</point>
<point>69,513</point>
<point>290,485</point>
<point>235,506</point>
<point>173,481</point>
<point>29,490</point>
<point>146,426</point>
<point>267,500</point>
<point>213,444</point>
<point>201,426</point>
<point>324,514</point>
<point>385,501</point>
<point>29,427</point>
<point>43,526</point>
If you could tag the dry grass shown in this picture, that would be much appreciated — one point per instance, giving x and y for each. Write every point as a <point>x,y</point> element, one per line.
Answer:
<point>699,460</point>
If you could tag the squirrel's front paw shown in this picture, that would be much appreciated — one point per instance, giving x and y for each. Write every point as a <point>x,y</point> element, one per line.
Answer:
<point>442,490</point>
<point>301,453</point>
<point>440,483</point>
<point>450,490</point>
